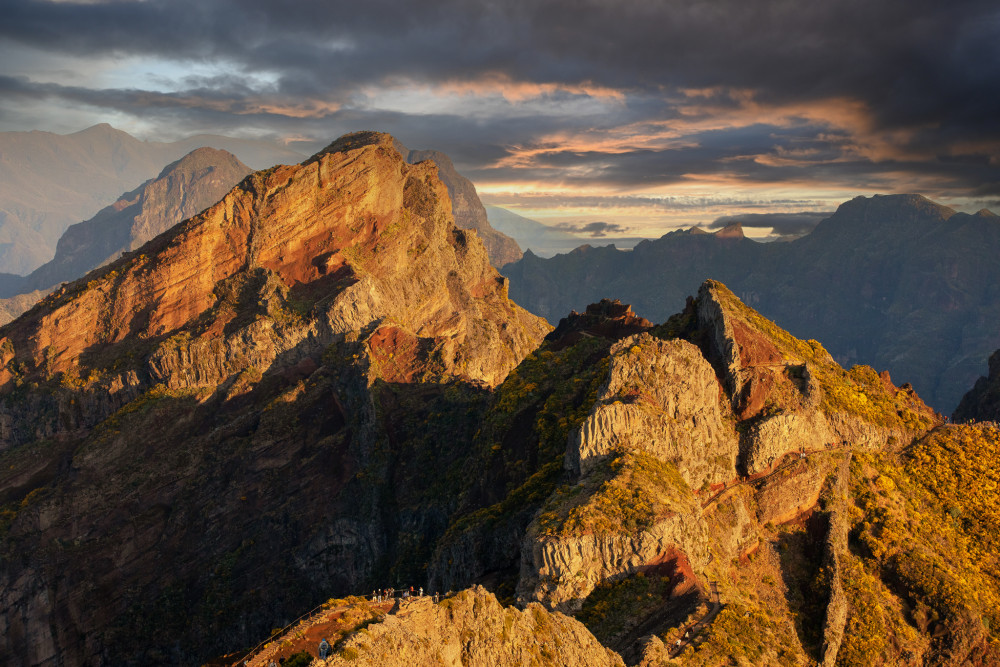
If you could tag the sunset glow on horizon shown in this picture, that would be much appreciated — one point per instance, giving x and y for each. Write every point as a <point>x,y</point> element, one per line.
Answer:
<point>647,116</point>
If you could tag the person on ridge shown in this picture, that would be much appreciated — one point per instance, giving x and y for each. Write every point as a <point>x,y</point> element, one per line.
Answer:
<point>324,648</point>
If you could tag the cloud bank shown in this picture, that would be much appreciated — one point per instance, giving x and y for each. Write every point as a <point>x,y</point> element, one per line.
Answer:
<point>763,100</point>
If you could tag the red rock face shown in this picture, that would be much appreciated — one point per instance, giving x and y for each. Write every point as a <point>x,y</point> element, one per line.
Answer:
<point>608,319</point>
<point>763,367</point>
<point>355,212</point>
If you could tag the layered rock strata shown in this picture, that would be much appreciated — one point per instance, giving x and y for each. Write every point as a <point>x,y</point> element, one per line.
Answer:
<point>199,436</point>
<point>352,240</point>
<point>661,397</point>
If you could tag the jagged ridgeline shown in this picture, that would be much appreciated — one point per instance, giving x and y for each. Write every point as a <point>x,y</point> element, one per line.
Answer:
<point>197,439</point>
<point>318,387</point>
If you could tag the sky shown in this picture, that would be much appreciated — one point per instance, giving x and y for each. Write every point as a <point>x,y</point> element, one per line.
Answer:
<point>635,116</point>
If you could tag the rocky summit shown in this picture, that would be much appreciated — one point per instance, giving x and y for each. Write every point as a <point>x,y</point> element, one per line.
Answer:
<point>191,429</point>
<point>318,389</point>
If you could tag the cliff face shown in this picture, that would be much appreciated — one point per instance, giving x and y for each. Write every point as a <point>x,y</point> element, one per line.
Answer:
<point>660,397</point>
<point>982,402</point>
<point>183,189</point>
<point>207,429</point>
<point>469,212</point>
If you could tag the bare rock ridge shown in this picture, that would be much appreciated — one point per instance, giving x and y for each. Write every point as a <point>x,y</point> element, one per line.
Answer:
<point>213,420</point>
<point>469,212</point>
<point>473,629</point>
<point>184,188</point>
<point>353,220</point>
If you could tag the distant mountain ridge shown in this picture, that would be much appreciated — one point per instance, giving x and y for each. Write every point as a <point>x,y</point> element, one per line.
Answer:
<point>49,181</point>
<point>184,188</point>
<point>897,282</point>
<point>544,240</point>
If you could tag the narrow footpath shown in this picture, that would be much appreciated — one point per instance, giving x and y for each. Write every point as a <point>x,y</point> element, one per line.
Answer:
<point>691,632</point>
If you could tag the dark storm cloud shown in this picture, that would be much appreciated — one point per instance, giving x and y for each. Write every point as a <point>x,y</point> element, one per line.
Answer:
<point>922,75</point>
<point>594,229</point>
<point>782,224</point>
<point>916,60</point>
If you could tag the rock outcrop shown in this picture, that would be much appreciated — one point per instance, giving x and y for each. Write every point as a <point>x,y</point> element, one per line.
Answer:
<point>469,211</point>
<point>562,571</point>
<point>661,397</point>
<point>609,319</point>
<point>472,629</point>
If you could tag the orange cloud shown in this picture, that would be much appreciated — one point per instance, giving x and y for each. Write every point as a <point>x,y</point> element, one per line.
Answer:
<point>520,91</point>
<point>709,109</point>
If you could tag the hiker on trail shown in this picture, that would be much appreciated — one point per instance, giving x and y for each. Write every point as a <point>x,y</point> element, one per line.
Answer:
<point>437,598</point>
<point>421,591</point>
<point>272,664</point>
<point>324,648</point>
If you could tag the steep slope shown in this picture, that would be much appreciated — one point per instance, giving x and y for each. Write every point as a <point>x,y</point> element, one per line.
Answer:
<point>184,188</point>
<point>469,211</point>
<point>681,453</point>
<point>200,435</point>
<point>49,181</point>
<point>915,285</point>
<point>982,402</point>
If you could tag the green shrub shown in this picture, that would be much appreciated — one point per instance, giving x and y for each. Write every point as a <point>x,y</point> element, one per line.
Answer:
<point>300,659</point>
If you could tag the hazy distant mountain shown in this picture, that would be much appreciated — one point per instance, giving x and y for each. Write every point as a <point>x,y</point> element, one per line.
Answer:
<point>184,188</point>
<point>544,240</point>
<point>532,235</point>
<point>49,181</point>
<point>897,282</point>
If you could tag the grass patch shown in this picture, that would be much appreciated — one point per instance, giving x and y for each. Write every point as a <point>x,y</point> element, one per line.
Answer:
<point>627,493</point>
